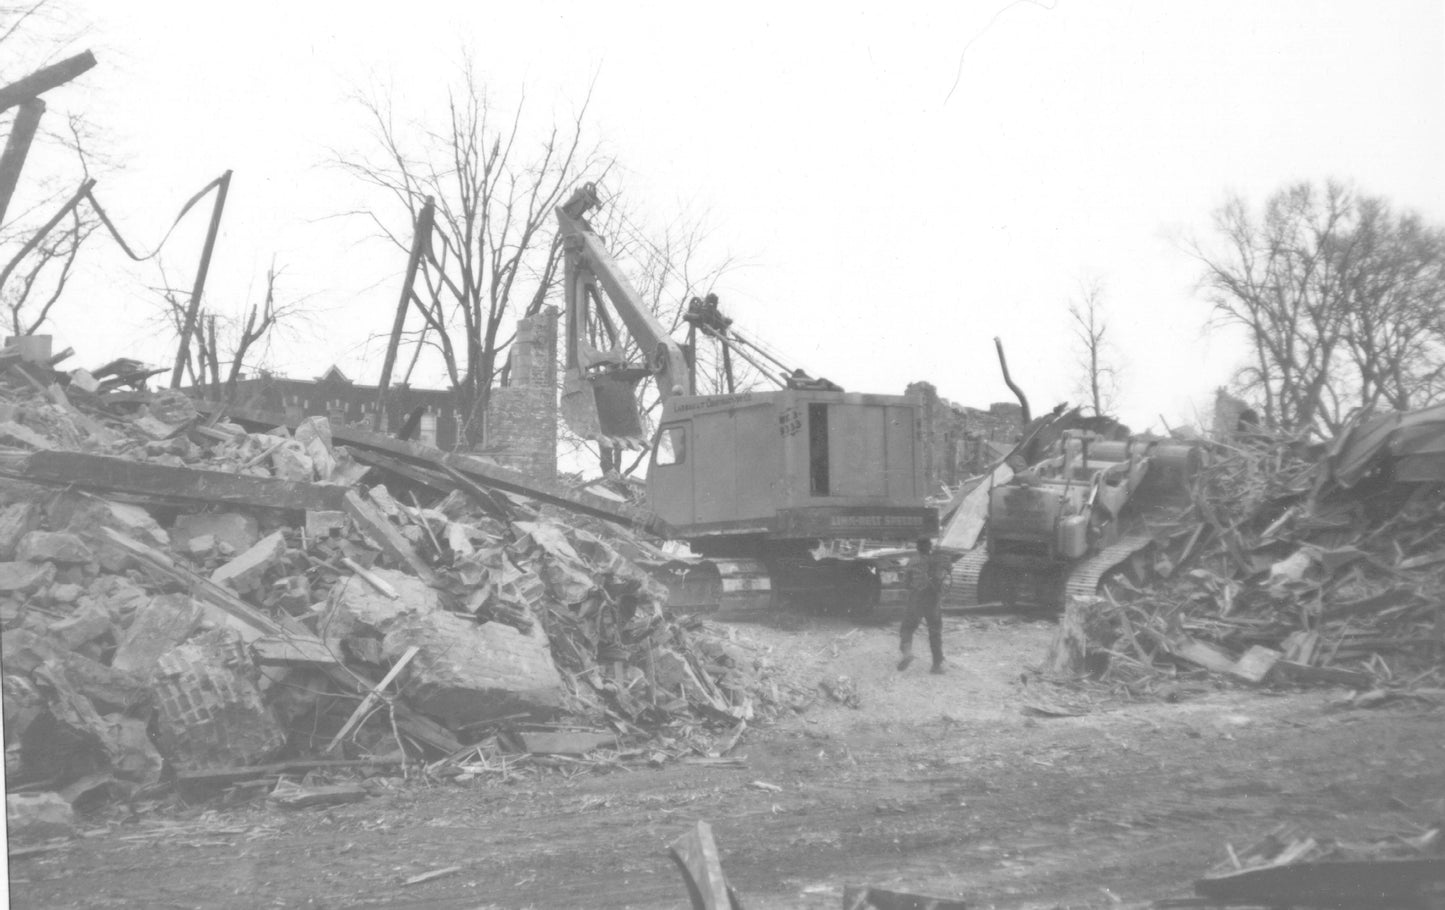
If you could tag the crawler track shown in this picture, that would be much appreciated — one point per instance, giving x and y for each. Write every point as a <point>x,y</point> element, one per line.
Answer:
<point>1086,577</point>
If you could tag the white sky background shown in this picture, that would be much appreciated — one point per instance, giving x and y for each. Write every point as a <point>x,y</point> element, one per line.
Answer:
<point>890,231</point>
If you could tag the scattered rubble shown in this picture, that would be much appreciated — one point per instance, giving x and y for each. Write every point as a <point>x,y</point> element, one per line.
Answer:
<point>1292,565</point>
<point>196,597</point>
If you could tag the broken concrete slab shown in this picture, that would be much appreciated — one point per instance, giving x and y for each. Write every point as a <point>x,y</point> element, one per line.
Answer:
<point>211,712</point>
<point>22,704</point>
<point>53,546</point>
<point>466,673</point>
<point>106,473</point>
<point>87,516</point>
<point>321,524</point>
<point>164,622</point>
<point>247,571</point>
<point>290,462</point>
<point>120,596</point>
<point>360,610</point>
<point>16,520</point>
<point>12,433</point>
<point>64,742</point>
<point>38,816</point>
<point>26,652</point>
<point>127,741</point>
<point>199,547</point>
<point>64,593</point>
<point>89,622</point>
<point>238,529</point>
<point>25,577</point>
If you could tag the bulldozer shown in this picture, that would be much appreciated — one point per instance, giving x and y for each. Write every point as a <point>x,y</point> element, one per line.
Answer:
<point>761,484</point>
<point>1061,526</point>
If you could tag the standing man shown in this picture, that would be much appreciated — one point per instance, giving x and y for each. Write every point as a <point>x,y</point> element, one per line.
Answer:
<point>926,575</point>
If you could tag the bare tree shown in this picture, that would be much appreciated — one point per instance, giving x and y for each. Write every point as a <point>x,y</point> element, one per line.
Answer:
<point>225,348</point>
<point>1339,298</point>
<point>48,223</point>
<point>494,252</point>
<point>1091,328</point>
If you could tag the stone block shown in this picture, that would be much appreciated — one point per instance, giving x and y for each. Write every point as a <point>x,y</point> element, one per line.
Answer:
<point>120,596</point>
<point>325,523</point>
<point>64,593</point>
<point>16,520</point>
<point>160,625</point>
<point>200,546</point>
<point>25,577</point>
<point>38,816</point>
<point>360,609</point>
<point>211,712</point>
<point>467,673</point>
<point>238,529</point>
<point>22,704</point>
<point>313,429</point>
<point>248,570</point>
<point>89,622</point>
<point>128,743</point>
<point>290,462</point>
<point>53,546</point>
<point>85,516</point>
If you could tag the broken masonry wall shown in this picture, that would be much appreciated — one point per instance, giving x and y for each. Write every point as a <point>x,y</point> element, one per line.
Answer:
<point>521,420</point>
<point>1231,415</point>
<point>956,439</point>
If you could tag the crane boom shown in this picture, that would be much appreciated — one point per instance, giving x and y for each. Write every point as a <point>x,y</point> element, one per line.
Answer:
<point>599,398</point>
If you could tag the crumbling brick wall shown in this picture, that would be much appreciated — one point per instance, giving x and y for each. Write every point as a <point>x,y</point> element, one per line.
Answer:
<point>521,428</point>
<point>956,439</point>
<point>1231,415</point>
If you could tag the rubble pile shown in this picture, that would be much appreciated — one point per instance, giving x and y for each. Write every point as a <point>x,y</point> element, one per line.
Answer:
<point>1285,568</point>
<point>183,599</point>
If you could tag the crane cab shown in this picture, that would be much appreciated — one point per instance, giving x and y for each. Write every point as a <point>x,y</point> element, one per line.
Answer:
<point>788,465</point>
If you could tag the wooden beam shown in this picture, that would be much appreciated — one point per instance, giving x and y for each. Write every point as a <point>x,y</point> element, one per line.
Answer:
<point>121,475</point>
<point>474,469</point>
<point>419,241</point>
<point>17,149</point>
<point>372,697</point>
<point>696,855</point>
<point>43,80</point>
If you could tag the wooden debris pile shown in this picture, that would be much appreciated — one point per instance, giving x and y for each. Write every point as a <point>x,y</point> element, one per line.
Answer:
<point>1270,575</point>
<point>190,600</point>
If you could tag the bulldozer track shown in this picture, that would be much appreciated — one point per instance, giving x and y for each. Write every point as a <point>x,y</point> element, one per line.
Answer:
<point>1085,578</point>
<point>962,588</point>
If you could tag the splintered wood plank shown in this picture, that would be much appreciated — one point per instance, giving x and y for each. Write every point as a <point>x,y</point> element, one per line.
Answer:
<point>696,854</point>
<point>384,534</point>
<point>122,475</point>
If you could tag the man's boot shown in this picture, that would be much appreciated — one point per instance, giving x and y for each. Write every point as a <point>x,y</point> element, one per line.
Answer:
<point>906,659</point>
<point>937,668</point>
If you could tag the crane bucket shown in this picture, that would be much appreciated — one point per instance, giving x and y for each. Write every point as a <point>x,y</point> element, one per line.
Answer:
<point>603,406</point>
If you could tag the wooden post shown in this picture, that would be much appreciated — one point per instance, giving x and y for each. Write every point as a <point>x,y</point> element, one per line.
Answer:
<point>419,243</point>
<point>183,350</point>
<point>17,147</point>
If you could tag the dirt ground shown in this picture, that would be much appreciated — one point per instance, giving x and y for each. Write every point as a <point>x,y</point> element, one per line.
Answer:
<point>939,785</point>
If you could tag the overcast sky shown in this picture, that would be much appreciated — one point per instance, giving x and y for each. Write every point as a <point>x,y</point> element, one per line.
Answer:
<point>903,181</point>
